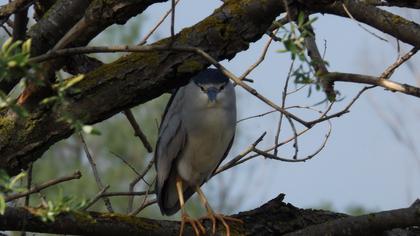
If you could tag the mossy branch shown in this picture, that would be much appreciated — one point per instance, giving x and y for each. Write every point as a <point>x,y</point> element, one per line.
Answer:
<point>273,218</point>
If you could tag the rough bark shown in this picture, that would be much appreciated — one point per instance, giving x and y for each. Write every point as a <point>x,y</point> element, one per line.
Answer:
<point>405,3</point>
<point>394,25</point>
<point>55,23</point>
<point>273,218</point>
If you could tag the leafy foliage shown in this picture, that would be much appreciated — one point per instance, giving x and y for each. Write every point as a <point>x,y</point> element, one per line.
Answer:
<point>63,204</point>
<point>14,58</point>
<point>293,40</point>
<point>8,185</point>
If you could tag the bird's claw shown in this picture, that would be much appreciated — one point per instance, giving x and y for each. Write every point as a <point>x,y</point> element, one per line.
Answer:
<point>214,217</point>
<point>195,224</point>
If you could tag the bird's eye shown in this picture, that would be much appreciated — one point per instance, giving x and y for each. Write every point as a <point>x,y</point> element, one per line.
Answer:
<point>222,87</point>
<point>202,88</point>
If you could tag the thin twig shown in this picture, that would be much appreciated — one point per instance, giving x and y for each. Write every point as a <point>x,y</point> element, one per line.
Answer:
<point>295,158</point>
<point>29,183</point>
<point>256,116</point>
<point>172,20</point>
<point>260,59</point>
<point>103,193</point>
<point>145,203</point>
<point>122,194</point>
<point>360,25</point>
<point>137,130</point>
<point>49,183</point>
<point>390,70</point>
<point>234,160</point>
<point>283,102</point>
<point>344,111</point>
<point>144,40</point>
<point>7,31</point>
<point>241,157</point>
<point>28,186</point>
<point>96,198</point>
<point>126,162</point>
<point>135,181</point>
<point>297,89</point>
<point>95,173</point>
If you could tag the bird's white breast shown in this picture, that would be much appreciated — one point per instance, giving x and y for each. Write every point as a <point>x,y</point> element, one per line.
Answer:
<point>209,135</point>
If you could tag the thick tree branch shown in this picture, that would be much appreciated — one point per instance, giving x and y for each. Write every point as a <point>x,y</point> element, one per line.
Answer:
<point>371,224</point>
<point>20,24</point>
<point>273,218</point>
<point>397,3</point>
<point>136,79</point>
<point>55,23</point>
<point>394,25</point>
<point>99,15</point>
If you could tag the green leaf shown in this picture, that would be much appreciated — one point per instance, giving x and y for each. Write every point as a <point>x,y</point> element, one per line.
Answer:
<point>26,46</point>
<point>11,48</point>
<point>301,19</point>
<point>48,100</point>
<point>17,178</point>
<point>2,204</point>
<point>6,44</point>
<point>12,64</point>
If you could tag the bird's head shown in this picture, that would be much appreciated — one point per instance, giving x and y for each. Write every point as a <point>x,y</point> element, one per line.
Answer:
<point>213,87</point>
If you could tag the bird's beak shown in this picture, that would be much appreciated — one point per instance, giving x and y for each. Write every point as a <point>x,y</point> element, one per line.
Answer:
<point>212,94</point>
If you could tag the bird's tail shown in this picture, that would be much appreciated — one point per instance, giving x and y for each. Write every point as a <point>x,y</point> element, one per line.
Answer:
<point>168,200</point>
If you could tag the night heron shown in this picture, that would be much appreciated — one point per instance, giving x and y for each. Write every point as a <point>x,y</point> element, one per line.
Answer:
<point>195,135</point>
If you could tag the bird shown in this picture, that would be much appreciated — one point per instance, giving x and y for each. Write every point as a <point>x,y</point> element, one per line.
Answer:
<point>195,136</point>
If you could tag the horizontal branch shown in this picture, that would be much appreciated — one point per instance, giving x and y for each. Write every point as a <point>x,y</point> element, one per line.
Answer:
<point>392,24</point>
<point>278,218</point>
<point>273,218</point>
<point>49,183</point>
<point>398,3</point>
<point>370,224</point>
<point>366,79</point>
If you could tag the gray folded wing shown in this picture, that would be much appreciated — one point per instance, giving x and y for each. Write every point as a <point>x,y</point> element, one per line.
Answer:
<point>172,139</point>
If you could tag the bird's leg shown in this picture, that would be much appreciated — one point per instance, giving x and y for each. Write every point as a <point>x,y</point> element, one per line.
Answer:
<point>214,216</point>
<point>196,225</point>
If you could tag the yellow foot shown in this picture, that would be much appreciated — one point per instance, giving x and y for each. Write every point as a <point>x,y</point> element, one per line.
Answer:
<point>195,224</point>
<point>222,218</point>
